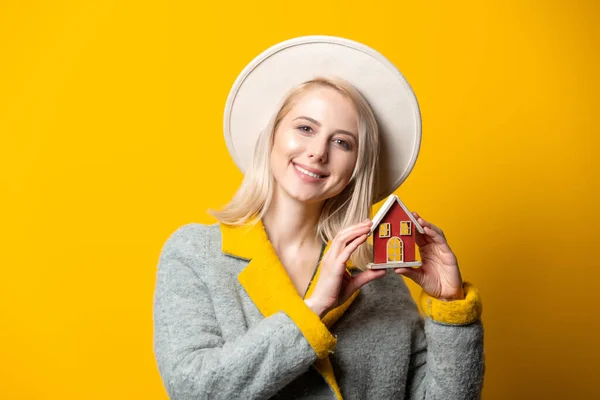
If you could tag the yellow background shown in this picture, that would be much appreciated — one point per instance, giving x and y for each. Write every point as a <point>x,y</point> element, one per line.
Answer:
<point>111,138</point>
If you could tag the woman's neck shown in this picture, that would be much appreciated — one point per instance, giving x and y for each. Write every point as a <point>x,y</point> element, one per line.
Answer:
<point>292,225</point>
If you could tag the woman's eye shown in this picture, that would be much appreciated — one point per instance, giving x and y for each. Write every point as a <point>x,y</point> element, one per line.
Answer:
<point>342,143</point>
<point>305,128</point>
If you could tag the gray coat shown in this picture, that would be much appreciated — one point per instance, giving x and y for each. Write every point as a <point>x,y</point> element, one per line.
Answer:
<point>229,324</point>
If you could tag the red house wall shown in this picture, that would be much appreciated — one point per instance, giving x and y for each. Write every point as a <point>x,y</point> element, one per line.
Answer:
<point>394,216</point>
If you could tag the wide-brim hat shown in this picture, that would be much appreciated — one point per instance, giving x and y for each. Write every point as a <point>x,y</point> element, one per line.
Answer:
<point>262,85</point>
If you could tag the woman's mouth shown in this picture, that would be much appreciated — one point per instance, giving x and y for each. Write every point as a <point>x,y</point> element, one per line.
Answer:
<point>307,175</point>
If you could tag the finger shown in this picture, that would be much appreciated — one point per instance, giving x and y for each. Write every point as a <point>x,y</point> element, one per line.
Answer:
<point>344,232</point>
<point>363,278</point>
<point>366,221</point>
<point>339,242</point>
<point>415,274</point>
<point>351,227</point>
<point>424,223</point>
<point>341,239</point>
<point>434,235</point>
<point>421,239</point>
<point>348,250</point>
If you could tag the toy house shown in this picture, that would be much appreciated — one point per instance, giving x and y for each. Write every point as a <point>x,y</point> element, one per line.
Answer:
<point>394,231</point>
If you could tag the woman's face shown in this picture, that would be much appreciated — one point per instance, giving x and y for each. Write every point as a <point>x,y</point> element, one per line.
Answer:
<point>315,146</point>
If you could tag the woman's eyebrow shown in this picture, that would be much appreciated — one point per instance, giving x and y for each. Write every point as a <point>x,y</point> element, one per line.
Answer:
<point>314,121</point>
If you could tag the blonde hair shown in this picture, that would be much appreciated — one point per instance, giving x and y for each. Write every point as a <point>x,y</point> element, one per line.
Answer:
<point>351,206</point>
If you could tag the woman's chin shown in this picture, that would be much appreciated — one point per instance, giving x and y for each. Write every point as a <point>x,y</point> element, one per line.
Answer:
<point>305,196</point>
<point>303,193</point>
<point>308,199</point>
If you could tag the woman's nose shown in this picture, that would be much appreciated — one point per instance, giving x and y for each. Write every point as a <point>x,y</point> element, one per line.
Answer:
<point>318,150</point>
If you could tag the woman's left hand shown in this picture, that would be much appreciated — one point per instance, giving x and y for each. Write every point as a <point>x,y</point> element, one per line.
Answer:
<point>439,275</point>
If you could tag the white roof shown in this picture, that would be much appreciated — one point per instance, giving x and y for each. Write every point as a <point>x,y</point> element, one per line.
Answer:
<point>386,207</point>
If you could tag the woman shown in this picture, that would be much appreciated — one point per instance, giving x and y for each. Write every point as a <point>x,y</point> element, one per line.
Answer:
<point>275,301</point>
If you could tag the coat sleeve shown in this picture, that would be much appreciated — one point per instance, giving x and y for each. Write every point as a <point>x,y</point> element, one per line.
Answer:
<point>194,360</point>
<point>447,360</point>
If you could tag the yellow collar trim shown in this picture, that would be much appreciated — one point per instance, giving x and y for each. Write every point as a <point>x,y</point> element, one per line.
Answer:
<point>268,285</point>
<point>250,242</point>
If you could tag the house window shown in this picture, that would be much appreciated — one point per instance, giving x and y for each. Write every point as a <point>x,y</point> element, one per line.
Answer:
<point>384,230</point>
<point>405,228</point>
<point>395,249</point>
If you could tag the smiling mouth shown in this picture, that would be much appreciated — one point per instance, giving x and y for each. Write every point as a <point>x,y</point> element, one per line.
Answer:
<point>311,174</point>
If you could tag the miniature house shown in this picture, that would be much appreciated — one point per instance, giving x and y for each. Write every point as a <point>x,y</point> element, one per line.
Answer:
<point>394,231</point>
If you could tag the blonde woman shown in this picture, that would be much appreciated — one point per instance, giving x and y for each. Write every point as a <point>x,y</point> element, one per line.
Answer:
<point>276,300</point>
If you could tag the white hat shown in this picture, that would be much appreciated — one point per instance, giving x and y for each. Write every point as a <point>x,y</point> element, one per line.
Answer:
<point>262,85</point>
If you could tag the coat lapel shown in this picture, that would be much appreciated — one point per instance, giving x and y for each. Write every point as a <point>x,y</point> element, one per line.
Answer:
<point>268,285</point>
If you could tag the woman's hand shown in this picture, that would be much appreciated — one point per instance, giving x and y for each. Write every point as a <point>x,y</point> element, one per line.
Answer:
<point>335,284</point>
<point>439,275</point>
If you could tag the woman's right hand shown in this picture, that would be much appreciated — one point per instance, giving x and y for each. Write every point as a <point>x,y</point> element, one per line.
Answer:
<point>335,284</point>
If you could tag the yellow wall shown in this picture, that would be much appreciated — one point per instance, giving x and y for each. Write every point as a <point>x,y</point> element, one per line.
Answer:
<point>111,138</point>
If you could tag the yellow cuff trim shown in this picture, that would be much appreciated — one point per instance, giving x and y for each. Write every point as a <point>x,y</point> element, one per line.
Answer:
<point>314,330</point>
<point>457,312</point>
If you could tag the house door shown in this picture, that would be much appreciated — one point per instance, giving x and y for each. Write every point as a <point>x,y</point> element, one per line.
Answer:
<point>395,250</point>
